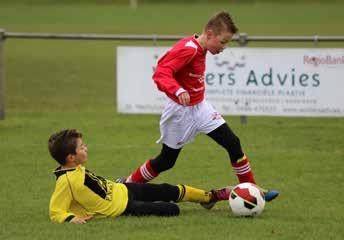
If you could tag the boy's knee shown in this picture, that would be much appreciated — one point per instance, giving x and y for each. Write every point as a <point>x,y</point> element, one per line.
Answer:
<point>176,210</point>
<point>165,209</point>
<point>173,210</point>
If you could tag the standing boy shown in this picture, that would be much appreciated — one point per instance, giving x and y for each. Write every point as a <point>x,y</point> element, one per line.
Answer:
<point>80,195</point>
<point>180,75</point>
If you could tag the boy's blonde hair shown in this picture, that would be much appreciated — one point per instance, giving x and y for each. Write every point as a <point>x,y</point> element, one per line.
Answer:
<point>220,22</point>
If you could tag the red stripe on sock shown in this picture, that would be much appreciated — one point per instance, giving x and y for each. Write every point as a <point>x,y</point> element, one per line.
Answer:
<point>138,177</point>
<point>150,169</point>
<point>247,174</point>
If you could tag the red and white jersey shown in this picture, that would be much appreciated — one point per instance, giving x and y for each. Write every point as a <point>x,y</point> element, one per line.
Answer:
<point>182,69</point>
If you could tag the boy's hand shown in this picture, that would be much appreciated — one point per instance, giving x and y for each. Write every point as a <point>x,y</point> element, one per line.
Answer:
<point>80,220</point>
<point>184,98</point>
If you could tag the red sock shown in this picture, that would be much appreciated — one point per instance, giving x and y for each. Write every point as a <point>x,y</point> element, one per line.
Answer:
<point>243,171</point>
<point>143,174</point>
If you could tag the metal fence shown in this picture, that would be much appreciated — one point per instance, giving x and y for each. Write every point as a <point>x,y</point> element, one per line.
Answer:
<point>242,39</point>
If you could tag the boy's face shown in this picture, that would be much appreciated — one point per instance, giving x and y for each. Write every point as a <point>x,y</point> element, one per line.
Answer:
<point>217,43</point>
<point>80,155</point>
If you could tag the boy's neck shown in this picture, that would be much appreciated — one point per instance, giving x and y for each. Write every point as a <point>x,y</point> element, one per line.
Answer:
<point>68,166</point>
<point>201,41</point>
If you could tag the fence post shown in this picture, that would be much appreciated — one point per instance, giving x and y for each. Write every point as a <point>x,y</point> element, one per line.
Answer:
<point>243,43</point>
<point>133,4</point>
<point>2,75</point>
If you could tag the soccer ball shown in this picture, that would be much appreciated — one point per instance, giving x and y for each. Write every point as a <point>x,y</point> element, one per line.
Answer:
<point>246,199</point>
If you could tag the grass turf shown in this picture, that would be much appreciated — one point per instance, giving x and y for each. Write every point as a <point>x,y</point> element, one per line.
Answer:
<point>59,84</point>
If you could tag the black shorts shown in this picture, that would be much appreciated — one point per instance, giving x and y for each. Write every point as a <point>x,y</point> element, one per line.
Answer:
<point>152,199</point>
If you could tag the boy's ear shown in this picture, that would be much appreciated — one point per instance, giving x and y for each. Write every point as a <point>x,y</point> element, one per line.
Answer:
<point>70,158</point>
<point>209,33</point>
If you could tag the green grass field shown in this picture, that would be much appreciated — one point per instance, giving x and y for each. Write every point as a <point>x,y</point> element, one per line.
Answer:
<point>53,84</point>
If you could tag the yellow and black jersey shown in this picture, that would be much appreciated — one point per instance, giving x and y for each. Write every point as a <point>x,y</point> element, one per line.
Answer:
<point>79,192</point>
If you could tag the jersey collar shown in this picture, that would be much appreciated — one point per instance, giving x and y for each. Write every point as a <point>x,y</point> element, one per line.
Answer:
<point>194,39</point>
<point>59,171</point>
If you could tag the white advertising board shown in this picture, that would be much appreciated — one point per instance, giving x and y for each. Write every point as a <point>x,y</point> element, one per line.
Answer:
<point>244,81</point>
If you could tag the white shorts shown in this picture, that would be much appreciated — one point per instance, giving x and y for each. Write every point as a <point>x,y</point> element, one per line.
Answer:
<point>180,124</point>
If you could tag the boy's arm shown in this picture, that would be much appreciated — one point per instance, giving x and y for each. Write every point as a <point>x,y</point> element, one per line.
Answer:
<point>168,66</point>
<point>60,202</point>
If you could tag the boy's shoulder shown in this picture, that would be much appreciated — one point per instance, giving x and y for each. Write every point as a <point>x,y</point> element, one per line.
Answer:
<point>185,47</point>
<point>60,173</point>
<point>187,43</point>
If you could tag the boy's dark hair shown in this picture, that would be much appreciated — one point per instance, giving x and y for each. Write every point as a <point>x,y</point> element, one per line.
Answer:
<point>62,143</point>
<point>221,21</point>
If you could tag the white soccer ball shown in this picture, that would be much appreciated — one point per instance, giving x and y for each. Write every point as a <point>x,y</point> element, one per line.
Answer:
<point>246,199</point>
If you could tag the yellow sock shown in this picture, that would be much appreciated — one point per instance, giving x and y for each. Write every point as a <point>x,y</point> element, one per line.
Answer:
<point>190,194</point>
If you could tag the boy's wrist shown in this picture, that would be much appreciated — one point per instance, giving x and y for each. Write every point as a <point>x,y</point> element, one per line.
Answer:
<point>180,91</point>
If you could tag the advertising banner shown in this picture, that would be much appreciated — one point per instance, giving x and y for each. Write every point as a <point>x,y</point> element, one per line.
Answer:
<point>244,81</point>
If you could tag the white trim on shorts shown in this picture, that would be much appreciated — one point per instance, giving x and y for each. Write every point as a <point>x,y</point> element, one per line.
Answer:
<point>180,124</point>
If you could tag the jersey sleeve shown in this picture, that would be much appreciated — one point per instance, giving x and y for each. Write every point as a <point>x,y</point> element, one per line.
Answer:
<point>168,65</point>
<point>60,202</point>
